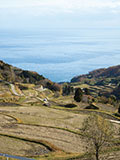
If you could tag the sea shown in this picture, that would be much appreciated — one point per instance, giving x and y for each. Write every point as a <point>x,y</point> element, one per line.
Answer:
<point>62,53</point>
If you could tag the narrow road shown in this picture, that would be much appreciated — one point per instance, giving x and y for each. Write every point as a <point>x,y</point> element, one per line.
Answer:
<point>16,157</point>
<point>118,122</point>
<point>13,90</point>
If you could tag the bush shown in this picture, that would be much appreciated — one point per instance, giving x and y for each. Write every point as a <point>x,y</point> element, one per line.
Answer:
<point>71,105</point>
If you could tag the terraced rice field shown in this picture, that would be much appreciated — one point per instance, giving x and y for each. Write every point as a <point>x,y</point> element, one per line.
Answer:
<point>33,131</point>
<point>39,124</point>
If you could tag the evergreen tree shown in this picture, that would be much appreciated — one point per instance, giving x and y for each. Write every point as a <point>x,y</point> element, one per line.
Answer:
<point>67,90</point>
<point>78,95</point>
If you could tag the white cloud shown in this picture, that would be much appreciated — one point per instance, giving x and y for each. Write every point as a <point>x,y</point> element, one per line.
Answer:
<point>60,5</point>
<point>58,13</point>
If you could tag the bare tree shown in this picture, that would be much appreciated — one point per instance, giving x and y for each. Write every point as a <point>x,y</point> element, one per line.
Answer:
<point>98,133</point>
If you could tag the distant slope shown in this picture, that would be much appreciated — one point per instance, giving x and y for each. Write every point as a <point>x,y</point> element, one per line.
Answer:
<point>100,76</point>
<point>12,74</point>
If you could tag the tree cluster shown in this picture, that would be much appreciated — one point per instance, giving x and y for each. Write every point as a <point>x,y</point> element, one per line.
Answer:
<point>67,90</point>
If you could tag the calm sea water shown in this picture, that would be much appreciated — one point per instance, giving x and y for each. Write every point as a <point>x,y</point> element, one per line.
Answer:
<point>60,54</point>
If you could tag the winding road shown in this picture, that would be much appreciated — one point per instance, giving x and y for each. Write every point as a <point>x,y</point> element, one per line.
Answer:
<point>13,90</point>
<point>113,121</point>
<point>16,157</point>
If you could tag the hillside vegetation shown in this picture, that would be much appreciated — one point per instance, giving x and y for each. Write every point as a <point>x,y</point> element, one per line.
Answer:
<point>12,74</point>
<point>100,76</point>
<point>101,82</point>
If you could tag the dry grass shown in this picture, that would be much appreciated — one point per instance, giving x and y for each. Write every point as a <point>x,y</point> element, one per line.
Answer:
<point>67,141</point>
<point>20,148</point>
<point>59,156</point>
<point>43,124</point>
<point>46,116</point>
<point>35,117</point>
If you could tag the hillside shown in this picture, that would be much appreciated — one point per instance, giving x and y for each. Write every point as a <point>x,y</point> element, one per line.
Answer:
<point>12,74</point>
<point>100,76</point>
<point>39,123</point>
<point>18,86</point>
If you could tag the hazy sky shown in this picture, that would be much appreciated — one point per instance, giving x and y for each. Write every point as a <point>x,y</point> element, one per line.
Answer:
<point>59,13</point>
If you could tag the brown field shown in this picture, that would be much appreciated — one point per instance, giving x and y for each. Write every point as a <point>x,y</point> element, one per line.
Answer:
<point>39,124</point>
<point>45,133</point>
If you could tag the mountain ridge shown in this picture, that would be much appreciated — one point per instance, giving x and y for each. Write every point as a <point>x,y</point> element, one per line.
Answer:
<point>13,74</point>
<point>101,74</point>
